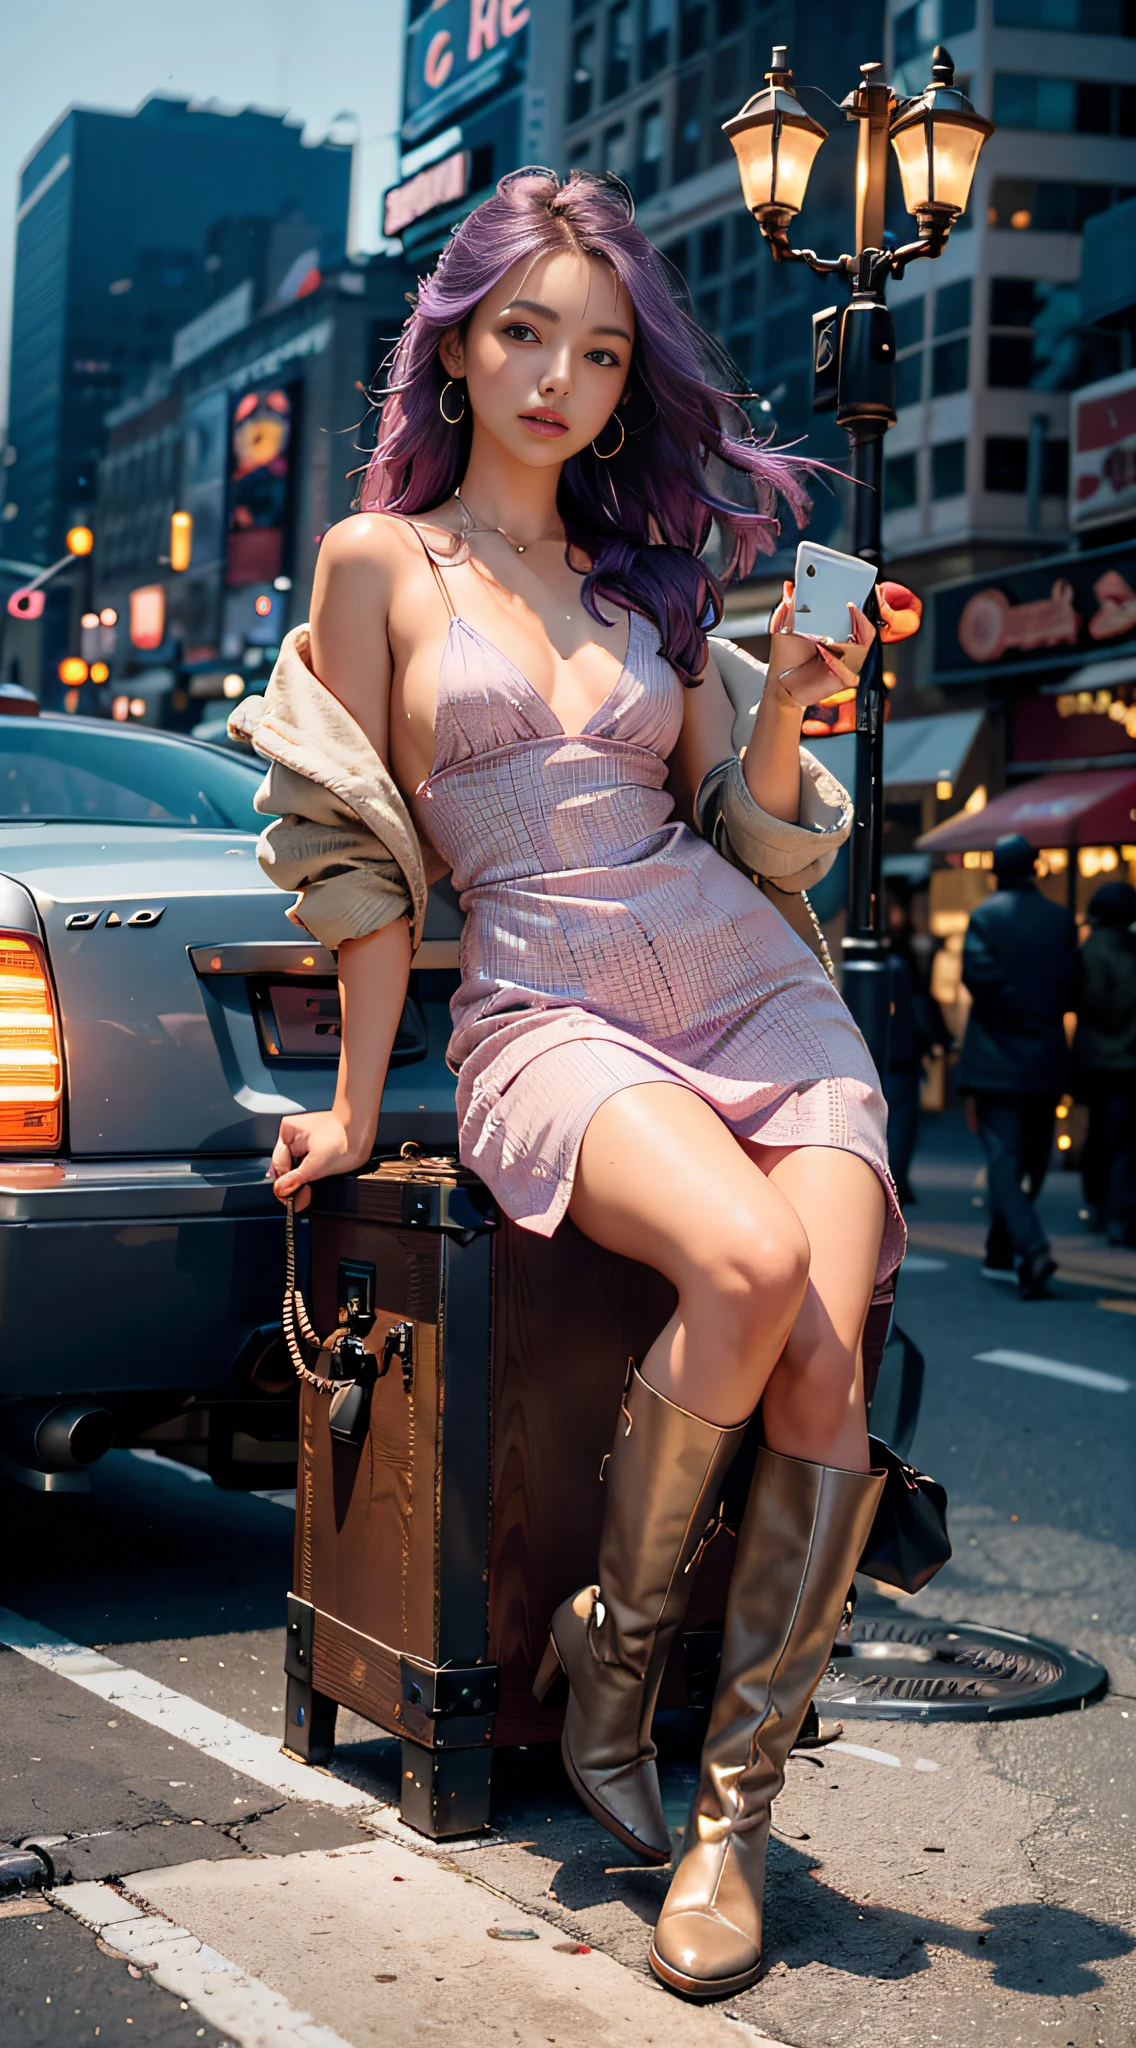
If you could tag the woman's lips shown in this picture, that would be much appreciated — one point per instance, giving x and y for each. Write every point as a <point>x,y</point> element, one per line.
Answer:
<point>548,425</point>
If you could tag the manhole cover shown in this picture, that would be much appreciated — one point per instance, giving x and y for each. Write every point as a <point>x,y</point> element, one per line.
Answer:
<point>921,1670</point>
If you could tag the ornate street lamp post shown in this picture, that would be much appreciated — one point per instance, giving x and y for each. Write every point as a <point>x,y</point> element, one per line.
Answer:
<point>937,138</point>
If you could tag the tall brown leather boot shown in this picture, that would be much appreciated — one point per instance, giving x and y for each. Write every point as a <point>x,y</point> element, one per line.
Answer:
<point>663,1485</point>
<point>801,1538</point>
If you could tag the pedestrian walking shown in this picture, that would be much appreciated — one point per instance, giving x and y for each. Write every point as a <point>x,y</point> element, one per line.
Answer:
<point>1104,1061</point>
<point>516,625</point>
<point>1020,964</point>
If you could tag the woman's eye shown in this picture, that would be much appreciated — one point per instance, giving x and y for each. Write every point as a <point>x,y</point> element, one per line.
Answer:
<point>604,357</point>
<point>520,331</point>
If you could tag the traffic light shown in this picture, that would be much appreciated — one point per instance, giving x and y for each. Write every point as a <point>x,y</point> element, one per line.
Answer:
<point>181,540</point>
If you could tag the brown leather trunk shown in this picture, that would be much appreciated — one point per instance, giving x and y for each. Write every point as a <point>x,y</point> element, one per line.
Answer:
<point>430,1555</point>
<point>429,1558</point>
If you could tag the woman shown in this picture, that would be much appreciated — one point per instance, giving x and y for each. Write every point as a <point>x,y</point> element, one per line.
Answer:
<point>1104,1059</point>
<point>515,625</point>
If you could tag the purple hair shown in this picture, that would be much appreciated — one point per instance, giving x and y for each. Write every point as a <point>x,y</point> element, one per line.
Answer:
<point>644,516</point>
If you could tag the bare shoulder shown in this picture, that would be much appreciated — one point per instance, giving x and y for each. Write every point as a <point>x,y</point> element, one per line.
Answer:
<point>365,541</point>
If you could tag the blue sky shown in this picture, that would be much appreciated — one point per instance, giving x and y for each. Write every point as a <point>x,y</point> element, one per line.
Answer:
<point>316,58</point>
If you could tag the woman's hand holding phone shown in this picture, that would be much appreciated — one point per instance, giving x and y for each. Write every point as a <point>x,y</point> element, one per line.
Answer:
<point>816,671</point>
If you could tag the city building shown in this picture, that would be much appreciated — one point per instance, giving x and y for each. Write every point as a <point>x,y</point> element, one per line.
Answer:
<point>130,226</point>
<point>1049,644</point>
<point>482,95</point>
<point>991,338</point>
<point>258,436</point>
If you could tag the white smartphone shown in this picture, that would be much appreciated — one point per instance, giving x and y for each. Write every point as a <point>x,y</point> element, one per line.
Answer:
<point>825,583</point>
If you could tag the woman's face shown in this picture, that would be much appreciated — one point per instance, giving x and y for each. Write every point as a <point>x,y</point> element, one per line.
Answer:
<point>546,357</point>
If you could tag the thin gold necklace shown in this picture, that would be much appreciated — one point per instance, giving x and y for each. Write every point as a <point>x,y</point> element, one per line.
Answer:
<point>469,526</point>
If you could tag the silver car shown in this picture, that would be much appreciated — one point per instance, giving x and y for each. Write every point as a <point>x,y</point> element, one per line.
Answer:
<point>158,1014</point>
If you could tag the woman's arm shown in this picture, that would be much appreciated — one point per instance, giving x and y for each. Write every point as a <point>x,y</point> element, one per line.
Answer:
<point>801,672</point>
<point>351,596</point>
<point>351,656</point>
<point>373,976</point>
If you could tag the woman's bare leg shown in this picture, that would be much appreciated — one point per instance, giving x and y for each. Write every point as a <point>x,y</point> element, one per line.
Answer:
<point>814,1402</point>
<point>662,1179</point>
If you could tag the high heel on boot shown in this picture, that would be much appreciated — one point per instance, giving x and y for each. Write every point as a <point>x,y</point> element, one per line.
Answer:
<point>662,1485</point>
<point>801,1538</point>
<point>548,1671</point>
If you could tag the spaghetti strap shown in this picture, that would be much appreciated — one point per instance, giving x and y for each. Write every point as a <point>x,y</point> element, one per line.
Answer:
<point>435,565</point>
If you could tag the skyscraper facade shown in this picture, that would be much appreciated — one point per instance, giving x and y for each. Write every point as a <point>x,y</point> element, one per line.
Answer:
<point>129,226</point>
<point>989,339</point>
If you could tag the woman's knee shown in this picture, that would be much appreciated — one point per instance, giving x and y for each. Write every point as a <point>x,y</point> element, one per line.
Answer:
<point>752,1273</point>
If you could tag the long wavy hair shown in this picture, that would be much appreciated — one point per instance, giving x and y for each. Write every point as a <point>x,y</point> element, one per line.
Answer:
<point>689,463</point>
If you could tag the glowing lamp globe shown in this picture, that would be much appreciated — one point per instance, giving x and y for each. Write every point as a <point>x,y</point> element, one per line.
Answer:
<point>937,140</point>
<point>80,540</point>
<point>775,142</point>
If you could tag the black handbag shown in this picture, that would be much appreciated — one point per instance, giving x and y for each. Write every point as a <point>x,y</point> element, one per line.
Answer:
<point>908,1542</point>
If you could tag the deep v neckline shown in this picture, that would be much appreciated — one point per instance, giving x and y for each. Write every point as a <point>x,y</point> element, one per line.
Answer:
<point>456,621</point>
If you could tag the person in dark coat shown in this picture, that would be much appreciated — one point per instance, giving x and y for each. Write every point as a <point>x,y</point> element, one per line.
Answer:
<point>1104,1060</point>
<point>1020,964</point>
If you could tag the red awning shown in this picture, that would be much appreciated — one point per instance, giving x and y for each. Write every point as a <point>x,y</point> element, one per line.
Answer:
<point>1095,807</point>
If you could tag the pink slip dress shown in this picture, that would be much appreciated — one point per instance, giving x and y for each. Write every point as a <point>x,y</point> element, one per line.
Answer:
<point>605,944</point>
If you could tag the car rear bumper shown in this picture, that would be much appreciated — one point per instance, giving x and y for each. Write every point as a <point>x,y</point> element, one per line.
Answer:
<point>121,1190</point>
<point>133,1277</point>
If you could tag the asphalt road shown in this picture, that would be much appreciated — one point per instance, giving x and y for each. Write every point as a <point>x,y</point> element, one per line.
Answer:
<point>955,1883</point>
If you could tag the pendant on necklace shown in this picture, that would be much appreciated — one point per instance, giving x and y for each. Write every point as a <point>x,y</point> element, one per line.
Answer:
<point>520,547</point>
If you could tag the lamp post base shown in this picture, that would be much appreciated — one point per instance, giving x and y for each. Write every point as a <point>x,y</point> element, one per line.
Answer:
<point>867,992</point>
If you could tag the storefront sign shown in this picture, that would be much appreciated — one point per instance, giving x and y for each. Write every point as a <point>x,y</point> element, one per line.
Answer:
<point>435,186</point>
<point>1102,434</point>
<point>1048,615</point>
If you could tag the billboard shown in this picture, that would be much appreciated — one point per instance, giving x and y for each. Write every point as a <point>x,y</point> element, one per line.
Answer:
<point>261,439</point>
<point>1102,447</point>
<point>1041,615</point>
<point>455,51</point>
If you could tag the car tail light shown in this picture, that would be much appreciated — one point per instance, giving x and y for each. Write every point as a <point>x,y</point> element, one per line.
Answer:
<point>31,1066</point>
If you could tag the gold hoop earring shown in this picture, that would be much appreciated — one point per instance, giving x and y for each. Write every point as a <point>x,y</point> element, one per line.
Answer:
<point>615,451</point>
<point>447,386</point>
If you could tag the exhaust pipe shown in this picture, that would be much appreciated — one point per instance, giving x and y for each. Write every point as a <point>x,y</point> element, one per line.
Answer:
<point>73,1436</point>
<point>65,1438</point>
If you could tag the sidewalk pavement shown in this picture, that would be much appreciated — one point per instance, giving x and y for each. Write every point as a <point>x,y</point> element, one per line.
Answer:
<point>259,1947</point>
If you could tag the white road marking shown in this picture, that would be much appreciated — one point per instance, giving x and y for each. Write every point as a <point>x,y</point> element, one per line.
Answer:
<point>918,1262</point>
<point>237,2004</point>
<point>1055,1369</point>
<point>872,1756</point>
<point>215,1735</point>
